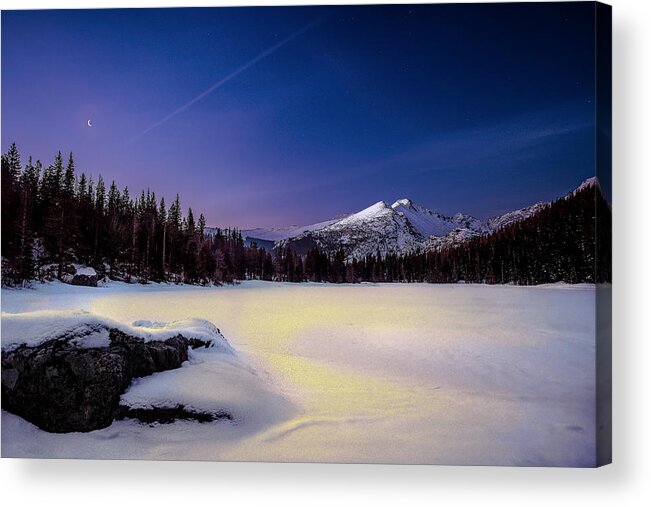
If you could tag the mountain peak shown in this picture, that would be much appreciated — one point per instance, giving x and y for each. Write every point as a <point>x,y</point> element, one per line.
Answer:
<point>373,212</point>
<point>378,207</point>
<point>407,203</point>
<point>592,182</point>
<point>589,183</point>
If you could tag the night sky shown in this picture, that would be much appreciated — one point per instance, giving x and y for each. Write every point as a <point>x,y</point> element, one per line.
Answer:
<point>278,116</point>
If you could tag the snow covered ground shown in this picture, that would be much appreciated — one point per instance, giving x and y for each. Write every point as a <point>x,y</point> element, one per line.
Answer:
<point>454,374</point>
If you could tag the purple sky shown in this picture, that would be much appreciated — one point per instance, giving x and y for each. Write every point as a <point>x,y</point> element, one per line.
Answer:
<point>277,116</point>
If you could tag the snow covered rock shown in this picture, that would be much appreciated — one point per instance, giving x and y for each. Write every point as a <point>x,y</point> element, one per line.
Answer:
<point>592,182</point>
<point>453,238</point>
<point>80,275</point>
<point>430,223</point>
<point>73,380</point>
<point>501,221</point>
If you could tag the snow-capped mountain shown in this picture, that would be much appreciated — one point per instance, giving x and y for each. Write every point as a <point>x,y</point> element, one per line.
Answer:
<point>376,228</point>
<point>403,227</point>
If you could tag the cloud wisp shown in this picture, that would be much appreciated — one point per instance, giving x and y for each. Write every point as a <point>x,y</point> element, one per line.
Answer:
<point>267,52</point>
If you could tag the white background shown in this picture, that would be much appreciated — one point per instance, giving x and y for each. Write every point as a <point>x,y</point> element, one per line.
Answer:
<point>626,482</point>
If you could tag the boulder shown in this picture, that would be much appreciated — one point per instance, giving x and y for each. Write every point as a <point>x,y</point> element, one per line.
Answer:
<point>61,386</point>
<point>83,276</point>
<point>85,280</point>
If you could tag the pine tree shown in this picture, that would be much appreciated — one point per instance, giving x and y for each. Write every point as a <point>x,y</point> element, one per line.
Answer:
<point>99,229</point>
<point>28,181</point>
<point>11,170</point>
<point>69,178</point>
<point>191,228</point>
<point>202,226</point>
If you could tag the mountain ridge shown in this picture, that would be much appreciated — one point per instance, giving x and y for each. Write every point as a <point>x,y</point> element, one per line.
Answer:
<point>403,227</point>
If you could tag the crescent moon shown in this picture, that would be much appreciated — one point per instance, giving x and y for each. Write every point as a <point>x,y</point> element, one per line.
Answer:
<point>89,124</point>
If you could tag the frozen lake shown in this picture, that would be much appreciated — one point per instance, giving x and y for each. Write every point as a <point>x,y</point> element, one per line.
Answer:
<point>447,374</point>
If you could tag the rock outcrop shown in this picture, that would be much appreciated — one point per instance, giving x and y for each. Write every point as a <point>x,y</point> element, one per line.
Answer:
<point>61,386</point>
<point>80,275</point>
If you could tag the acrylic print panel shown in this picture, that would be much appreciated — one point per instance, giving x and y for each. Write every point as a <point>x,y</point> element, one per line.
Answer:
<point>369,234</point>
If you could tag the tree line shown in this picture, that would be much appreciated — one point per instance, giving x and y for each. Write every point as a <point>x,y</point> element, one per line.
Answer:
<point>567,241</point>
<point>52,217</point>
